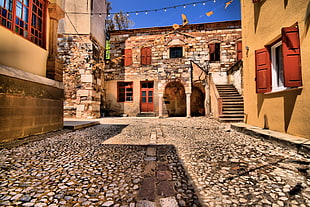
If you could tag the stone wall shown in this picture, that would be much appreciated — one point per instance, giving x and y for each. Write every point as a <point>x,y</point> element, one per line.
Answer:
<point>28,106</point>
<point>83,77</point>
<point>194,39</point>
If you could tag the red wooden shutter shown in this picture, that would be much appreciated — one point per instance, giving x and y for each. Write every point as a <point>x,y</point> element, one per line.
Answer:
<point>128,57</point>
<point>148,56</point>
<point>291,57</point>
<point>143,56</point>
<point>263,71</point>
<point>239,50</point>
<point>212,51</point>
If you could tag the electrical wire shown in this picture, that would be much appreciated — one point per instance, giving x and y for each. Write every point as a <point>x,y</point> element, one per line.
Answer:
<point>144,11</point>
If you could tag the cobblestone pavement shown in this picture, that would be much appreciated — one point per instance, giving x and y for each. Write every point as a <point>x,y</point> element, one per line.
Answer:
<point>114,164</point>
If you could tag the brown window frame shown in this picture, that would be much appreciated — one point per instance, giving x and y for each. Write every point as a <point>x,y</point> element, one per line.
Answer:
<point>125,91</point>
<point>291,62</point>
<point>215,52</point>
<point>26,18</point>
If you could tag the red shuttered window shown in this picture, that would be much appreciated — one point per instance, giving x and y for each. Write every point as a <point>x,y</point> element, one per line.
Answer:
<point>279,66</point>
<point>239,50</point>
<point>26,18</point>
<point>146,56</point>
<point>128,57</point>
<point>263,71</point>
<point>291,57</point>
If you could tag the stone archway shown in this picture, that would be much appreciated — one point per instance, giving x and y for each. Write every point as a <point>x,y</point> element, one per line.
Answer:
<point>197,102</point>
<point>175,99</point>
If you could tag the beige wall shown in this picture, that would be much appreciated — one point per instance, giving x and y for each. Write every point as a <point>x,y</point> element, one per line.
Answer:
<point>82,22</point>
<point>130,108</point>
<point>20,53</point>
<point>286,111</point>
<point>98,21</point>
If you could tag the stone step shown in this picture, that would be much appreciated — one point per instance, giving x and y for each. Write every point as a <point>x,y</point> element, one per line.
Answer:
<point>146,114</point>
<point>232,116</point>
<point>231,119</point>
<point>227,106</point>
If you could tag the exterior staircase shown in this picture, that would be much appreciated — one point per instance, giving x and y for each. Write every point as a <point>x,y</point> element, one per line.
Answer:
<point>232,104</point>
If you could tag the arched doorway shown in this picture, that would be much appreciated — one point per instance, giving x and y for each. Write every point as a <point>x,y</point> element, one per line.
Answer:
<point>197,102</point>
<point>175,99</point>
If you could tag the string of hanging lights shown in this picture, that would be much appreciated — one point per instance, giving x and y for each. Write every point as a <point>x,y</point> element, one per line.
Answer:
<point>149,10</point>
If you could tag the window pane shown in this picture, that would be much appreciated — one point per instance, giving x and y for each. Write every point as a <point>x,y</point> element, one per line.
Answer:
<point>19,8</point>
<point>143,100</point>
<point>121,90</point>
<point>176,52</point>
<point>143,93</point>
<point>150,99</point>
<point>150,93</point>
<point>144,85</point>
<point>3,12</point>
<point>2,3</point>
<point>128,98</point>
<point>25,14</point>
<point>26,2</point>
<point>151,84</point>
<point>128,89</point>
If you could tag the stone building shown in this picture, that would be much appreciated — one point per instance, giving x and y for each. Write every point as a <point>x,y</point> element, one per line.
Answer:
<point>31,89</point>
<point>81,43</point>
<point>276,65</point>
<point>164,71</point>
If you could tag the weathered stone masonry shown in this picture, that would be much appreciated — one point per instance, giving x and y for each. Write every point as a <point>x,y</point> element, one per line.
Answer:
<point>171,76</point>
<point>83,77</point>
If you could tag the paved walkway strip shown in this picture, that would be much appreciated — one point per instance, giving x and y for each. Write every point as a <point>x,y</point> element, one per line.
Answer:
<point>156,189</point>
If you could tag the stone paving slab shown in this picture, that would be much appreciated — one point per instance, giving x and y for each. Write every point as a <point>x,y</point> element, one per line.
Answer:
<point>75,125</point>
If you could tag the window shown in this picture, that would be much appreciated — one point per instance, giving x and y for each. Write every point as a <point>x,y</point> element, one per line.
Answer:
<point>176,52</point>
<point>25,17</point>
<point>279,66</point>
<point>128,57</point>
<point>239,50</point>
<point>146,56</point>
<point>215,51</point>
<point>125,91</point>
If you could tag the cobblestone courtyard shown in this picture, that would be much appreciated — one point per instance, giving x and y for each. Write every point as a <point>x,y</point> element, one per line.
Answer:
<point>207,163</point>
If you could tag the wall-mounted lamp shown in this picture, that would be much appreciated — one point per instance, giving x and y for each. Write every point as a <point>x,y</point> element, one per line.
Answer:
<point>247,48</point>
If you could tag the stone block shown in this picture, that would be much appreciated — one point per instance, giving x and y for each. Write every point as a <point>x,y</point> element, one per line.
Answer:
<point>165,188</point>
<point>87,78</point>
<point>145,204</point>
<point>168,202</point>
<point>82,92</point>
<point>80,107</point>
<point>147,189</point>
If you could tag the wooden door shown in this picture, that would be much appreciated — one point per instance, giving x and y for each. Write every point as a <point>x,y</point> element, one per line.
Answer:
<point>147,96</point>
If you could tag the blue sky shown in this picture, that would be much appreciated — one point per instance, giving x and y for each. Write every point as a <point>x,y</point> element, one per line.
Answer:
<point>195,14</point>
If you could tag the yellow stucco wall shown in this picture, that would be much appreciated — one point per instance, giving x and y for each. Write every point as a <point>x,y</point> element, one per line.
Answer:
<point>20,53</point>
<point>287,111</point>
